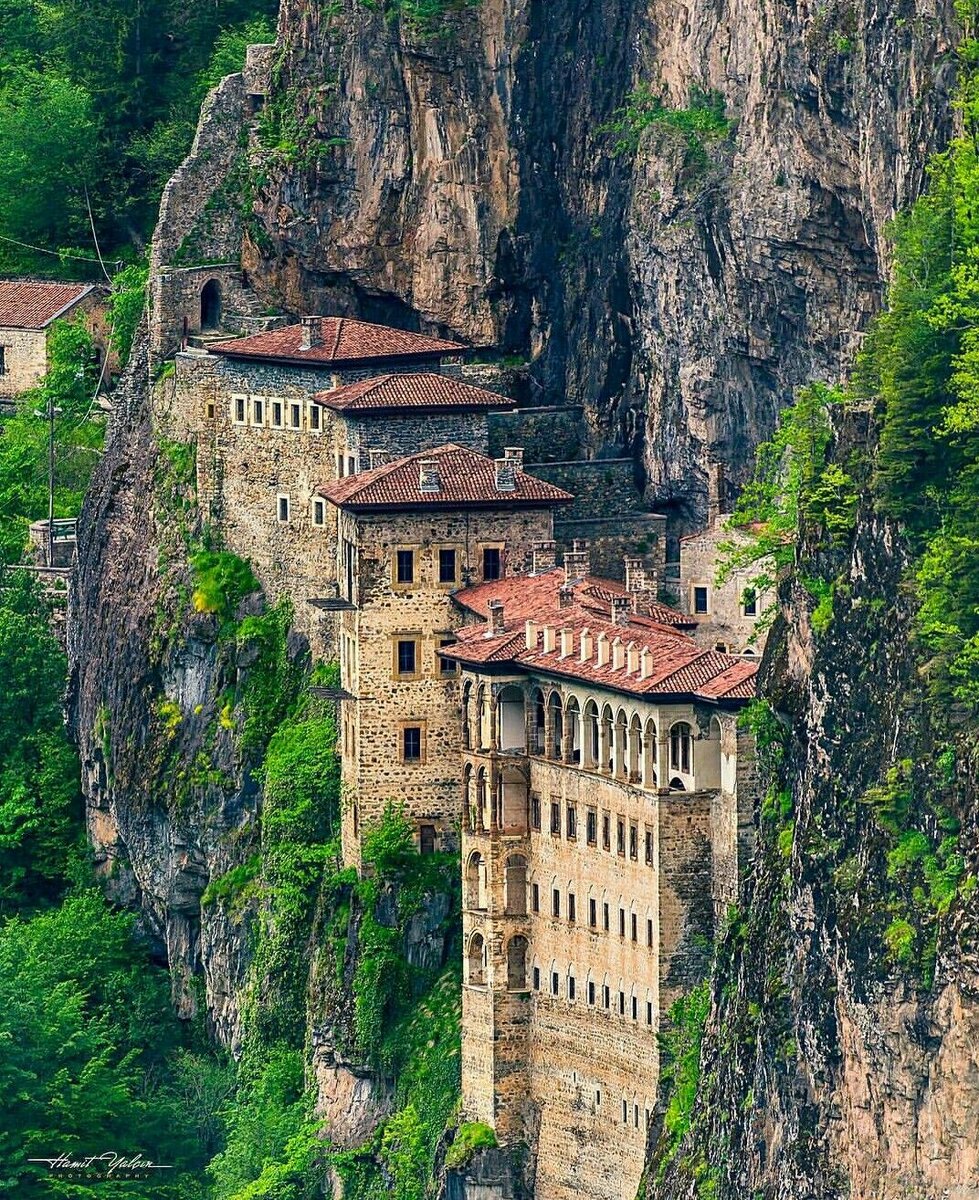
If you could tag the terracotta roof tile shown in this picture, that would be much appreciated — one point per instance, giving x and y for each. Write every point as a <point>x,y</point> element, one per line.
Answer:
<point>465,479</point>
<point>26,304</point>
<point>676,666</point>
<point>422,390</point>
<point>342,340</point>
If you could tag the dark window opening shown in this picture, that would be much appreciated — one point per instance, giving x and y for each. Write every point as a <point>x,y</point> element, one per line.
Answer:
<point>572,908</point>
<point>283,508</point>
<point>447,666</point>
<point>412,743</point>
<point>591,827</point>
<point>572,828</point>
<point>536,979</point>
<point>700,601</point>
<point>535,812</point>
<point>591,991</point>
<point>447,566</point>
<point>555,983</point>
<point>405,566</point>
<point>593,913</point>
<point>555,818</point>
<point>426,839</point>
<point>240,409</point>
<point>571,987</point>
<point>492,562</point>
<point>406,657</point>
<point>211,305</point>
<point>605,917</point>
<point>633,842</point>
<point>556,903</point>
<point>535,897</point>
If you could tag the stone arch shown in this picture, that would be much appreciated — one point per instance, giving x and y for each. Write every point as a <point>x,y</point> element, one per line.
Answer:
<point>573,724</point>
<point>513,720</point>
<point>681,748</point>
<point>619,745</point>
<point>590,742</point>
<point>469,806</point>
<point>571,984</point>
<point>516,963</point>
<point>635,749</point>
<point>606,751</point>
<point>467,689</point>
<point>482,799</point>
<point>210,306</point>
<point>515,886</point>
<point>649,756</point>
<point>476,881</point>
<point>513,800</point>
<point>555,718</point>
<point>476,960</point>
<point>537,740</point>
<point>479,717</point>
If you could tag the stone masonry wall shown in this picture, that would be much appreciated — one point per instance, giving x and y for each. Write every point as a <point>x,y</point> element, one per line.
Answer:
<point>548,435</point>
<point>725,622</point>
<point>25,358</point>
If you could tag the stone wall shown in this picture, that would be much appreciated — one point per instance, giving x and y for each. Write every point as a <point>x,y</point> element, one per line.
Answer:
<point>26,350</point>
<point>725,623</point>
<point>176,302</point>
<point>548,435</point>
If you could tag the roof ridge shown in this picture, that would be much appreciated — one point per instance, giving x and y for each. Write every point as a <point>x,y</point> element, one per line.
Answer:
<point>336,339</point>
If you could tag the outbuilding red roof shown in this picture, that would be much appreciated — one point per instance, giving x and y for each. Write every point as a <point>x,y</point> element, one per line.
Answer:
<point>664,661</point>
<point>465,479</point>
<point>421,390</point>
<point>341,340</point>
<point>30,304</point>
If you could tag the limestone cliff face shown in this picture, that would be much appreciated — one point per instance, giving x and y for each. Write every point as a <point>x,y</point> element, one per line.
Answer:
<point>829,1068</point>
<point>462,179</point>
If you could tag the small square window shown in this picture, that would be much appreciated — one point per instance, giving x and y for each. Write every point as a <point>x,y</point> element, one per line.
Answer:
<point>492,562</point>
<point>555,818</point>
<point>405,566</point>
<point>351,464</point>
<point>276,414</point>
<point>700,601</point>
<point>210,410</point>
<point>319,512</point>
<point>239,410</point>
<point>407,656</point>
<point>295,416</point>
<point>283,509</point>
<point>535,812</point>
<point>447,565</point>
<point>411,743</point>
<point>258,412</point>
<point>556,902</point>
<point>447,666</point>
<point>314,417</point>
<point>535,897</point>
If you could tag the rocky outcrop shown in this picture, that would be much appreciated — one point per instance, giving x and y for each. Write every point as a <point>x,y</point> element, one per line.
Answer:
<point>462,179</point>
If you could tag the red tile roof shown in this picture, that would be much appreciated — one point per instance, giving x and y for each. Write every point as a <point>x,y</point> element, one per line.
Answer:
<point>26,304</point>
<point>676,665</point>
<point>342,340</point>
<point>466,479</point>
<point>423,390</point>
<point>525,597</point>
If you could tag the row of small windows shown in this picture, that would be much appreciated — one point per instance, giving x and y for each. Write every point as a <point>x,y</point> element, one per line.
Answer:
<point>700,601</point>
<point>279,414</point>
<point>407,658</point>
<point>627,833</point>
<point>284,510</point>
<point>406,564</point>
<point>628,922</point>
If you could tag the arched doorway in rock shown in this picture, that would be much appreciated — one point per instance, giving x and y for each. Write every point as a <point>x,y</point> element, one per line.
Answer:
<point>211,306</point>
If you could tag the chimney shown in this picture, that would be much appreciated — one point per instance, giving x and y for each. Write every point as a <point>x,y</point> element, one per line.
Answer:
<point>565,596</point>
<point>645,663</point>
<point>310,333</point>
<point>548,639</point>
<point>601,649</point>
<point>618,654</point>
<point>620,610</point>
<point>635,574</point>
<point>429,480</point>
<point>514,454</point>
<point>531,635</point>
<point>567,641</point>
<point>716,489</point>
<point>577,561</point>
<point>377,458</point>
<point>585,645</point>
<point>506,475</point>
<point>545,557</point>
<point>496,625</point>
<point>632,658</point>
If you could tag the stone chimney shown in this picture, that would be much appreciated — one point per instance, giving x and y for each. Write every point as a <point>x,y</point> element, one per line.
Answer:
<point>548,639</point>
<point>620,610</point>
<point>514,454</point>
<point>377,458</point>
<point>618,654</point>
<point>531,629</point>
<point>310,333</point>
<point>544,557</point>
<point>577,561</point>
<point>565,596</point>
<point>601,649</point>
<point>632,658</point>
<point>585,645</point>
<point>567,641</point>
<point>645,663</point>
<point>635,574</point>
<point>496,623</point>
<point>506,474</point>
<point>429,479</point>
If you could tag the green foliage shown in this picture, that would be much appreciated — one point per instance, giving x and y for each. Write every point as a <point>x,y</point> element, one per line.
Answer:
<point>272,681</point>
<point>762,722</point>
<point>891,801</point>
<point>40,795</point>
<point>900,938</point>
<point>680,1070</point>
<point>92,1052</point>
<point>68,385</point>
<point>702,122</point>
<point>470,1137</point>
<point>235,886</point>
<point>389,846</point>
<point>823,593</point>
<point>221,580</point>
<point>127,299</point>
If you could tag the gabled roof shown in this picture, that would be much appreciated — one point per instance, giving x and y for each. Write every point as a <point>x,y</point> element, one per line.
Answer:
<point>673,665</point>
<point>30,304</point>
<point>526,597</point>
<point>421,391</point>
<point>466,480</point>
<point>342,340</point>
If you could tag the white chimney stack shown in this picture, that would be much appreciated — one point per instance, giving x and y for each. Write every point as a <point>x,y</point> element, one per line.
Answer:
<point>310,333</point>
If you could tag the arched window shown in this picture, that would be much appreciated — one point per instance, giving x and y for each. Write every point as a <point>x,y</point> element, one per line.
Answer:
<point>557,724</point>
<point>677,784</point>
<point>574,731</point>
<point>476,881</point>
<point>469,798</point>
<point>467,689</point>
<point>635,749</point>
<point>605,760</point>
<point>540,722</point>
<point>572,983</point>
<point>479,717</point>
<point>513,724</point>
<point>476,960</point>
<point>591,740</point>
<point>681,751</point>
<point>482,800</point>
<point>516,963</point>
<point>747,652</point>
<point>649,755</point>
<point>619,758</point>
<point>211,306</point>
<point>515,886</point>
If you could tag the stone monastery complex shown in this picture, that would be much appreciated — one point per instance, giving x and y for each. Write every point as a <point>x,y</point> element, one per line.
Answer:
<point>510,672</point>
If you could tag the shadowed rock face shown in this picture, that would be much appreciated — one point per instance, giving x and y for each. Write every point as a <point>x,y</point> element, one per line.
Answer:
<point>463,181</point>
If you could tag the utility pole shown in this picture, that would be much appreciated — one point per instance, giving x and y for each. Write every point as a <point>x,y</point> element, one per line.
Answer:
<point>50,414</point>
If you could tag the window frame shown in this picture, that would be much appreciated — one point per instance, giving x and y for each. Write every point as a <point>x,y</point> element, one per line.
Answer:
<point>239,403</point>
<point>315,418</point>
<point>282,498</point>
<point>498,549</point>
<point>406,727</point>
<point>403,639</point>
<point>454,551</point>
<point>318,507</point>
<point>396,565</point>
<point>535,811</point>
<point>258,412</point>
<point>276,404</point>
<point>695,590</point>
